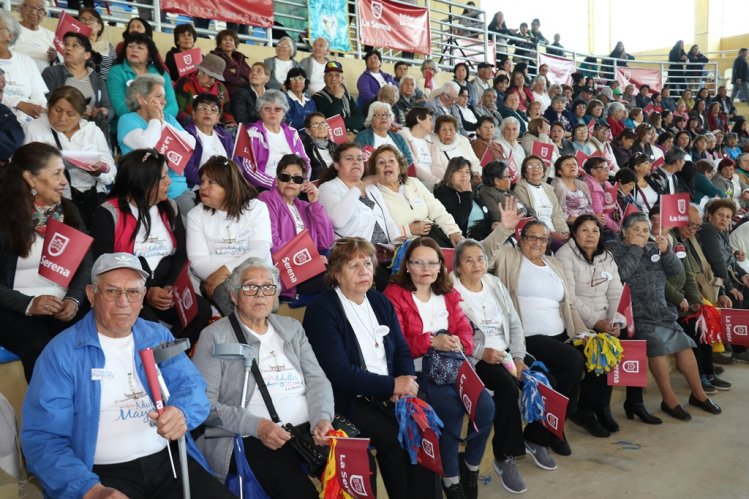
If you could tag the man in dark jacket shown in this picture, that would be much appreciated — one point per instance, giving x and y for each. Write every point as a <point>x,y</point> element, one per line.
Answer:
<point>335,99</point>
<point>740,75</point>
<point>665,178</point>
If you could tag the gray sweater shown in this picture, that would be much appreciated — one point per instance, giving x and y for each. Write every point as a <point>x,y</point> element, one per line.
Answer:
<point>224,385</point>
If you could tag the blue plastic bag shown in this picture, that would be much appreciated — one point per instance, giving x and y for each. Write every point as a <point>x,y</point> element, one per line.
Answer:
<point>243,484</point>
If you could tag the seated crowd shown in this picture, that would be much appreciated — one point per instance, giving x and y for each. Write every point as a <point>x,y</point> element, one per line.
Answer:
<point>540,246</point>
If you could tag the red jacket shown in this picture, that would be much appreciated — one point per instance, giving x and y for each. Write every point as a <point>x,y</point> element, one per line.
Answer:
<point>413,327</point>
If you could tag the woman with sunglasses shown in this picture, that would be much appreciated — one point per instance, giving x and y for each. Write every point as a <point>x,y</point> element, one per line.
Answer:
<point>593,276</point>
<point>138,218</point>
<point>225,229</point>
<point>427,306</point>
<point>545,302</point>
<point>289,215</point>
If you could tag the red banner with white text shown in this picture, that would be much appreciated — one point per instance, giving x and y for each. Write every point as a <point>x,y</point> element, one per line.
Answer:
<point>560,69</point>
<point>639,77</point>
<point>252,12</point>
<point>383,23</point>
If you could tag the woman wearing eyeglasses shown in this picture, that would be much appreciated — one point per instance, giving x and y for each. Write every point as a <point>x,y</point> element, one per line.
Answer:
<point>539,199</point>
<point>378,133</point>
<point>298,389</point>
<point>138,218</point>
<point>645,194</point>
<point>545,302</point>
<point>357,339</point>
<point>227,227</point>
<point>317,144</point>
<point>427,305</point>
<point>592,275</point>
<point>289,215</point>
<point>271,139</point>
<point>411,205</point>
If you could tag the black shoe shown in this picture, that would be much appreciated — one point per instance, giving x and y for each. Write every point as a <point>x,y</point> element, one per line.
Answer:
<point>719,358</point>
<point>588,421</point>
<point>639,410</point>
<point>718,370</point>
<point>468,479</point>
<point>677,412</point>
<point>706,405</point>
<point>607,420</point>
<point>454,491</point>
<point>561,447</point>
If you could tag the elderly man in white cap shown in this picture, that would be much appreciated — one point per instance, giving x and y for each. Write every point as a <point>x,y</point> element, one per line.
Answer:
<point>89,425</point>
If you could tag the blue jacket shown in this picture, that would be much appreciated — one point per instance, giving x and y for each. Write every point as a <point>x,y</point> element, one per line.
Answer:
<point>368,87</point>
<point>191,170</point>
<point>120,76</point>
<point>61,408</point>
<point>337,350</point>
<point>366,138</point>
<point>297,113</point>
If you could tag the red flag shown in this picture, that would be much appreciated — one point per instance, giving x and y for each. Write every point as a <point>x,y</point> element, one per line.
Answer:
<point>486,158</point>
<point>177,152</point>
<point>519,227</point>
<point>632,368</point>
<point>62,253</point>
<point>657,163</point>
<point>243,145</point>
<point>298,260</point>
<point>543,150</point>
<point>512,168</point>
<point>735,326</point>
<point>449,255</point>
<point>429,79</point>
<point>411,170</point>
<point>675,210</point>
<point>648,109</point>
<point>429,450</point>
<point>610,195</point>
<point>184,298</point>
<point>252,12</point>
<point>149,366</point>
<point>367,152</point>
<point>625,308</point>
<point>187,61</point>
<point>581,158</point>
<point>65,24</point>
<point>591,126</point>
<point>555,410</point>
<point>470,388</point>
<point>82,159</point>
<point>352,466</point>
<point>631,208</point>
<point>385,23</point>
<point>337,129</point>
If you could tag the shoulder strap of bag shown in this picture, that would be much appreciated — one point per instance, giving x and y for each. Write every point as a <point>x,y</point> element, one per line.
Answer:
<point>255,372</point>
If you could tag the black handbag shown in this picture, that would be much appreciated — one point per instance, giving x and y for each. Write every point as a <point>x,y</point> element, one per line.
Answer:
<point>439,367</point>
<point>313,455</point>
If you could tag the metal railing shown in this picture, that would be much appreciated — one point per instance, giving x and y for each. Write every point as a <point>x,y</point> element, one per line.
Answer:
<point>457,35</point>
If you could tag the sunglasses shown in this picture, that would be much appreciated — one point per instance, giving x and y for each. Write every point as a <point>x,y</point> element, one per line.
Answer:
<point>285,177</point>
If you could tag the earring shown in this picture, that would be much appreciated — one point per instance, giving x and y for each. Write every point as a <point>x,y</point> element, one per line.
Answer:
<point>33,192</point>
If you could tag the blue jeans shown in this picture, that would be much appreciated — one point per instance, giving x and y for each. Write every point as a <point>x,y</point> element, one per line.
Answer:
<point>446,403</point>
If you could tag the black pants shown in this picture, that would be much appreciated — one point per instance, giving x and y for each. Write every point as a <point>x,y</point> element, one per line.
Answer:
<point>278,471</point>
<point>171,317</point>
<point>566,367</point>
<point>151,477</point>
<point>703,353</point>
<point>402,479</point>
<point>27,336</point>
<point>595,392</point>
<point>508,427</point>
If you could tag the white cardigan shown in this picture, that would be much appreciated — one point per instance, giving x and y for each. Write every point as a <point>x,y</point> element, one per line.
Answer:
<point>414,202</point>
<point>213,240</point>
<point>89,138</point>
<point>351,217</point>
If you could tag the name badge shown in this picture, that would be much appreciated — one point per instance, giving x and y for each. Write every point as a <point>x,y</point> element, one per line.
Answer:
<point>606,275</point>
<point>442,315</point>
<point>100,374</point>
<point>655,258</point>
<point>382,331</point>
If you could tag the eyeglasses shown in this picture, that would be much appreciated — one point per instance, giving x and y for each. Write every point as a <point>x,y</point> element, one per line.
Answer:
<point>285,177</point>
<point>536,239</point>
<point>254,289</point>
<point>269,109</point>
<point>693,226</point>
<point>207,109</point>
<point>534,167</point>
<point>382,115</point>
<point>321,124</point>
<point>297,78</point>
<point>424,264</point>
<point>88,20</point>
<point>114,294</point>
